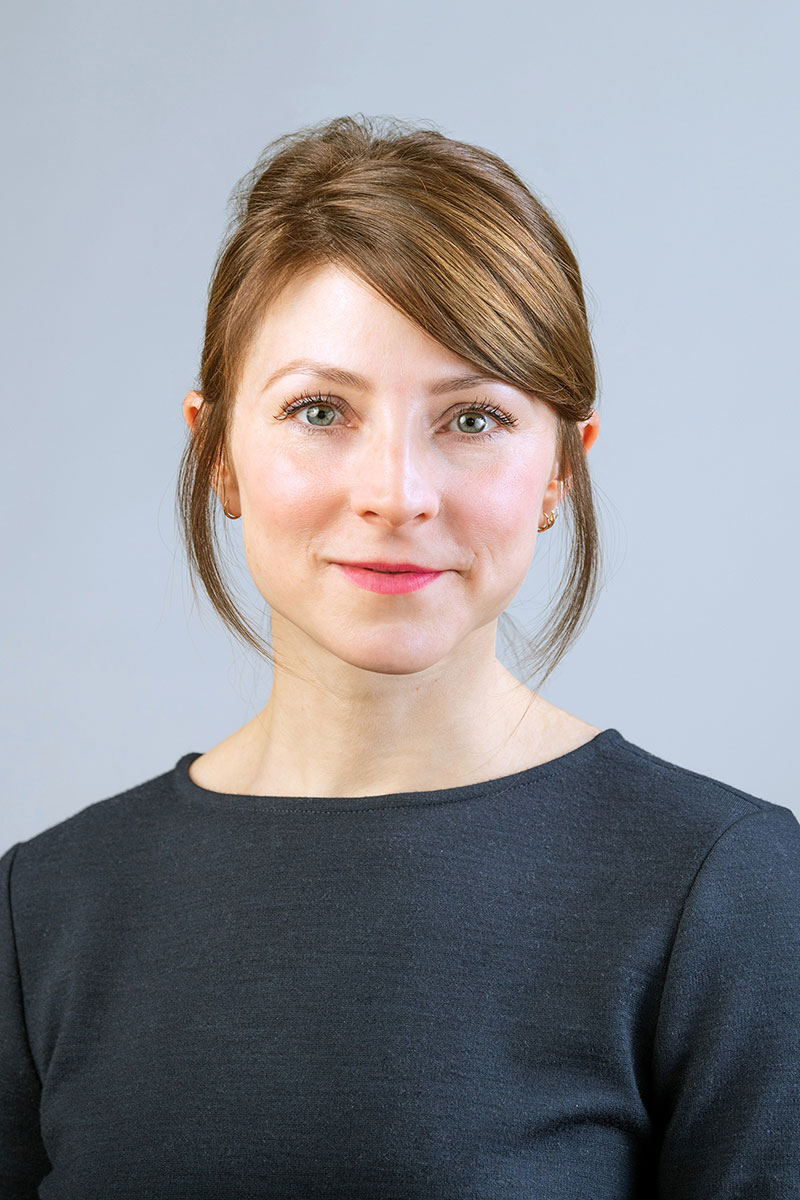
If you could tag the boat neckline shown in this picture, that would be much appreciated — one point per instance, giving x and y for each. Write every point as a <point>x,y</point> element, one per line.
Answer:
<point>573,759</point>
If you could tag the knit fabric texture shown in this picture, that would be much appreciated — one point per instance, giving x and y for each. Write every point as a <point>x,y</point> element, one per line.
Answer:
<point>577,982</point>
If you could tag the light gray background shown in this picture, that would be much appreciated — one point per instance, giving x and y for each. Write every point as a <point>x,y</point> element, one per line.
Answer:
<point>661,136</point>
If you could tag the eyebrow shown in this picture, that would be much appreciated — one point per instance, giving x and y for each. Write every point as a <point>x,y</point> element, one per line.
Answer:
<point>338,375</point>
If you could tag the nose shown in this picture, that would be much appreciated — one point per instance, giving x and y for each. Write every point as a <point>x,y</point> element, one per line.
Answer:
<point>395,477</point>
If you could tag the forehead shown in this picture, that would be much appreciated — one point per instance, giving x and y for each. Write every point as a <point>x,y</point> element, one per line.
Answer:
<point>330,325</point>
<point>330,315</point>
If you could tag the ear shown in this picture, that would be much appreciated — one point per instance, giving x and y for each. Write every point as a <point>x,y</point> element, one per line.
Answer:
<point>191,407</point>
<point>555,492</point>
<point>224,484</point>
<point>589,429</point>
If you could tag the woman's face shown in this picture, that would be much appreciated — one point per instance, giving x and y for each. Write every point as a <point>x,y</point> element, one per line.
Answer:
<point>384,470</point>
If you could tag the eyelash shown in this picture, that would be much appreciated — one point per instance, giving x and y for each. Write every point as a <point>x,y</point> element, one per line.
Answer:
<point>289,407</point>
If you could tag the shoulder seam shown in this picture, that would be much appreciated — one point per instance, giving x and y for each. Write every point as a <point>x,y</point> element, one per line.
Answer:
<point>758,804</point>
<point>768,812</point>
<point>15,948</point>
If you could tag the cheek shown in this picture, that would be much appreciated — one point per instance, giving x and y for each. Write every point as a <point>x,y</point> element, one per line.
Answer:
<point>282,492</point>
<point>286,507</point>
<point>505,503</point>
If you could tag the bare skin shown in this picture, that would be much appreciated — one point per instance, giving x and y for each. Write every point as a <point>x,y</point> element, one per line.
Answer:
<point>235,765</point>
<point>376,694</point>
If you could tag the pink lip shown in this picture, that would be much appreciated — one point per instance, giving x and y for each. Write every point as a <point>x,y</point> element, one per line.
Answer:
<point>388,584</point>
<point>389,566</point>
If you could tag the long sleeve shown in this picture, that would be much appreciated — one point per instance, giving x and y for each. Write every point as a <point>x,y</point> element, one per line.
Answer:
<point>726,1063</point>
<point>23,1160</point>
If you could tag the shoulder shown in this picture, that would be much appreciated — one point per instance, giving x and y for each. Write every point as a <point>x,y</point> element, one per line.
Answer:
<point>653,786</point>
<point>665,847</point>
<point>98,840</point>
<point>663,801</point>
<point>678,784</point>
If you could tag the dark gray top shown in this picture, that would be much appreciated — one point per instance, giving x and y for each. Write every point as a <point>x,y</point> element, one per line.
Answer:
<point>578,981</point>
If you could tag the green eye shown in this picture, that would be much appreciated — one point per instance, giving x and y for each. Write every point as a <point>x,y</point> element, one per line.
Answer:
<point>318,401</point>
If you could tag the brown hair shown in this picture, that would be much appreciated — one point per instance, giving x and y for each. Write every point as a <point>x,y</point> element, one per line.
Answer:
<point>451,236</point>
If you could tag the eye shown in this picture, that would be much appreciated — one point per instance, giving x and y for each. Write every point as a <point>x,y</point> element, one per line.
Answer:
<point>319,402</point>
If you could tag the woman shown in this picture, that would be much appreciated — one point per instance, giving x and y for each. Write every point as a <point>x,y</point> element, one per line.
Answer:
<point>412,930</point>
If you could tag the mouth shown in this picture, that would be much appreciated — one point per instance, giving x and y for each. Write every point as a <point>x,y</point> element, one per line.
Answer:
<point>378,571</point>
<point>384,568</point>
<point>389,582</point>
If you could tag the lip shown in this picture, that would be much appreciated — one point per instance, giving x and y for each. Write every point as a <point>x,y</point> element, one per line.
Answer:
<point>372,580</point>
<point>387,566</point>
